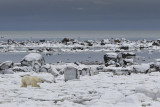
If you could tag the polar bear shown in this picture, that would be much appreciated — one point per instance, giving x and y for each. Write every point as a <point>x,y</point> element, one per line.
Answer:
<point>31,80</point>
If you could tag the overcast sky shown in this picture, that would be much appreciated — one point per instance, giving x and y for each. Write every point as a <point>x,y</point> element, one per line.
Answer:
<point>79,14</point>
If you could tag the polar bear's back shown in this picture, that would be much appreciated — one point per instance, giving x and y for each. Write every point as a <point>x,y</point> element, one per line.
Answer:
<point>29,79</point>
<point>26,80</point>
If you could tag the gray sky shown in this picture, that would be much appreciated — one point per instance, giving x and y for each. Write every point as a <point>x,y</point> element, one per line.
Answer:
<point>79,14</point>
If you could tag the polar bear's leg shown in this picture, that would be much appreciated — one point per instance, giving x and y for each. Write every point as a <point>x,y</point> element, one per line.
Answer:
<point>24,84</point>
<point>34,84</point>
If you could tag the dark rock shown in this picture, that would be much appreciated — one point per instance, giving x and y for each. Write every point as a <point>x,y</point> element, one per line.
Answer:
<point>81,43</point>
<point>124,47</point>
<point>142,47</point>
<point>49,54</point>
<point>77,63</point>
<point>128,61</point>
<point>30,49</point>
<point>152,65</point>
<point>117,50</point>
<point>40,50</point>
<point>111,59</point>
<point>156,43</point>
<point>117,41</point>
<point>65,40</point>
<point>100,68</point>
<point>90,44</point>
<point>102,43</point>
<point>10,41</point>
<point>77,48</point>
<point>49,49</point>
<point>157,66</point>
<point>43,40</point>
<point>6,65</point>
<point>128,55</point>
<point>22,43</point>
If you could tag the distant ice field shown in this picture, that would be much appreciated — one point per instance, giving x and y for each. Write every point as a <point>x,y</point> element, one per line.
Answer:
<point>80,35</point>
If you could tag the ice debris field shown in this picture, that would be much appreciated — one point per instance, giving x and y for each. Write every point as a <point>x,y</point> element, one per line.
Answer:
<point>117,82</point>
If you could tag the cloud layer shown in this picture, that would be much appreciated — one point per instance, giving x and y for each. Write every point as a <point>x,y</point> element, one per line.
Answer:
<point>79,14</point>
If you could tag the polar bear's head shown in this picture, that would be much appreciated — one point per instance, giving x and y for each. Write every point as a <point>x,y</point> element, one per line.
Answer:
<point>40,80</point>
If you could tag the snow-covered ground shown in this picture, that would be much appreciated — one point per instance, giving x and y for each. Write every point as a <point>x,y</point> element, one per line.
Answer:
<point>102,90</point>
<point>129,87</point>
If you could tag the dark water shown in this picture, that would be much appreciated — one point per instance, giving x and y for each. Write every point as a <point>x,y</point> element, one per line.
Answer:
<point>64,57</point>
<point>141,57</point>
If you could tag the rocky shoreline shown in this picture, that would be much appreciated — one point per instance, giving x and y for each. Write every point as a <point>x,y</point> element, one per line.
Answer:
<point>119,57</point>
<point>72,45</point>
